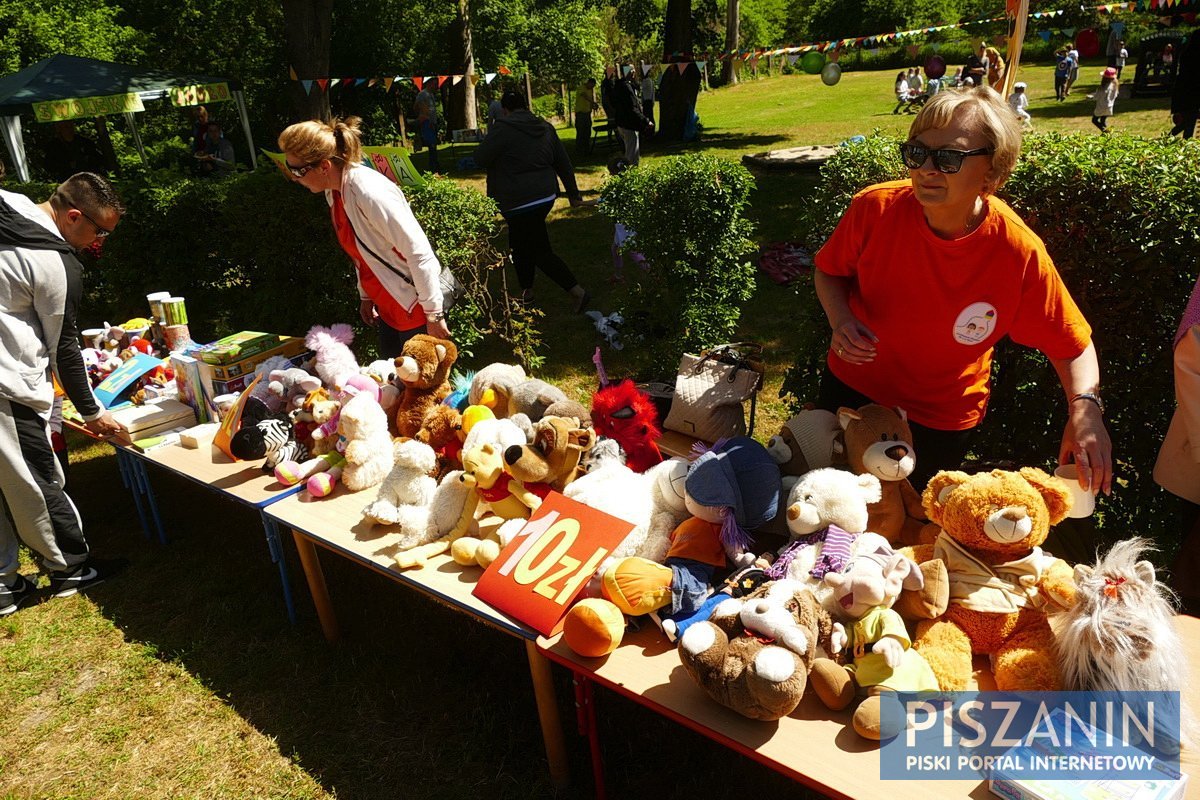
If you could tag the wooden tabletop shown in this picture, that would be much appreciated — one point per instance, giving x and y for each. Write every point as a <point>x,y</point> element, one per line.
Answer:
<point>814,746</point>
<point>244,481</point>
<point>336,523</point>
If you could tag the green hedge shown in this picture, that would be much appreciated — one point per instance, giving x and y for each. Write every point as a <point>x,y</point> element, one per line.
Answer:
<point>1118,216</point>
<point>254,251</point>
<point>687,215</point>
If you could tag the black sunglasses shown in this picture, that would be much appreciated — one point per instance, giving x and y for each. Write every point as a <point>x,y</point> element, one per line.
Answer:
<point>300,171</point>
<point>100,232</point>
<point>947,161</point>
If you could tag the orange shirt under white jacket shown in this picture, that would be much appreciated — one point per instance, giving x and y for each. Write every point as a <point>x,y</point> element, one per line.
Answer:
<point>384,228</point>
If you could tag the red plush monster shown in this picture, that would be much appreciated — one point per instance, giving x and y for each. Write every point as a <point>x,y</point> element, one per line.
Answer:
<point>623,413</point>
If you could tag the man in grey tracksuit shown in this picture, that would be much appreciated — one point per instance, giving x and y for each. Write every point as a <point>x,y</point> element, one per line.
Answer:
<point>40,289</point>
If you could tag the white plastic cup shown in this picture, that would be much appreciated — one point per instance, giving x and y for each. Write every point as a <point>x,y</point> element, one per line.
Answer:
<point>155,299</point>
<point>1083,502</point>
<point>92,337</point>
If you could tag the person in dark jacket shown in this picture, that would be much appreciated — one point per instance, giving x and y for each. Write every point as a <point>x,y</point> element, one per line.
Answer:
<point>525,161</point>
<point>631,121</point>
<point>41,285</point>
<point>1185,96</point>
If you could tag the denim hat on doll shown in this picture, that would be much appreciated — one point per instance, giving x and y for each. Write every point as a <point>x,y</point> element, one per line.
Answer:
<point>738,474</point>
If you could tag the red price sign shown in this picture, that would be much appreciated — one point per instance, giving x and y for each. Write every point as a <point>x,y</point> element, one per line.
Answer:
<point>542,569</point>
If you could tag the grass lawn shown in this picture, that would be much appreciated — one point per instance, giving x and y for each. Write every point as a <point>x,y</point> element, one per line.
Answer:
<point>181,678</point>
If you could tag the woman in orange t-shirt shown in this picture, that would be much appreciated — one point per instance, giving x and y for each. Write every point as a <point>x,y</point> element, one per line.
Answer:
<point>922,277</point>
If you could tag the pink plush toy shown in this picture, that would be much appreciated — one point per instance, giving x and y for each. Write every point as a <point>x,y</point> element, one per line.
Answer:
<point>335,362</point>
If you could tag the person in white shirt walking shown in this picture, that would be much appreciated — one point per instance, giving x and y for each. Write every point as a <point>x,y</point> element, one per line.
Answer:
<point>1019,102</point>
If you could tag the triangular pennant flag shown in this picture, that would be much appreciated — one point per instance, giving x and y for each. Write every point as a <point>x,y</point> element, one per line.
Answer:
<point>682,66</point>
<point>334,82</point>
<point>792,59</point>
<point>372,82</point>
<point>504,70</point>
<point>913,49</point>
<point>936,46</point>
<point>307,86</point>
<point>322,82</point>
<point>488,76</point>
<point>418,81</point>
<point>292,73</point>
<point>625,70</point>
<point>1189,17</point>
<point>348,81</point>
<point>456,80</point>
<point>1068,31</point>
<point>1045,35</point>
<point>646,69</point>
<point>475,78</point>
<point>387,84</point>
<point>359,81</point>
<point>700,65</point>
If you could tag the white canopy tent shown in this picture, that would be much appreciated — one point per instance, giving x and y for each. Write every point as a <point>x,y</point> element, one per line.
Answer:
<point>68,87</point>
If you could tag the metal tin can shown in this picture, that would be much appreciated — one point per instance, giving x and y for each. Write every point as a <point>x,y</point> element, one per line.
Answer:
<point>156,300</point>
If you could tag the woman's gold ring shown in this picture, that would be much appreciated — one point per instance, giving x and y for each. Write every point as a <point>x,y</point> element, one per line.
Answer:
<point>841,350</point>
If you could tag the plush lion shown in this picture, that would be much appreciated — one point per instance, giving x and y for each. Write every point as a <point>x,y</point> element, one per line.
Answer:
<point>1001,582</point>
<point>423,366</point>
<point>753,655</point>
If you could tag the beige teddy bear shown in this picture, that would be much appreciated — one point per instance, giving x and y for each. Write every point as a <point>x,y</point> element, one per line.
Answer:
<point>368,451</point>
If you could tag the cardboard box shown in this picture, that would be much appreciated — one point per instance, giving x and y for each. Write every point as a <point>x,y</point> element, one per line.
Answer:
<point>140,422</point>
<point>288,347</point>
<point>234,385</point>
<point>237,346</point>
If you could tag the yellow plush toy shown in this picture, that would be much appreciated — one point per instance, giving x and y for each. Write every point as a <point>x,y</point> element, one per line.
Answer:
<point>1001,583</point>
<point>507,497</point>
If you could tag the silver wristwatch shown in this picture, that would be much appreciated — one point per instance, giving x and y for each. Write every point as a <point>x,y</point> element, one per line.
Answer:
<point>1092,396</point>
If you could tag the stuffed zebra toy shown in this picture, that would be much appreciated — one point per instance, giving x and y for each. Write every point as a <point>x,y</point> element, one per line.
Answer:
<point>272,438</point>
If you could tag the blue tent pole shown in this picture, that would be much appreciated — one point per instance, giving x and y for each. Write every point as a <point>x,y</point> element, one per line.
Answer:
<point>15,144</point>
<point>137,137</point>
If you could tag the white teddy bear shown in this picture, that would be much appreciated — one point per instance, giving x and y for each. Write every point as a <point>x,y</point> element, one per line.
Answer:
<point>368,452</point>
<point>406,493</point>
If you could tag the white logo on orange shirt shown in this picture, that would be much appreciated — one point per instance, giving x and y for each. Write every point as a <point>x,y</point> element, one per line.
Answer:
<point>975,323</point>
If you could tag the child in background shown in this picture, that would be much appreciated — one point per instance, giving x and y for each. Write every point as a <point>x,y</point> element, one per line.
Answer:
<point>956,79</point>
<point>1122,57</point>
<point>1168,56</point>
<point>916,84</point>
<point>1106,96</point>
<point>1019,102</point>
<point>902,92</point>
<point>1062,71</point>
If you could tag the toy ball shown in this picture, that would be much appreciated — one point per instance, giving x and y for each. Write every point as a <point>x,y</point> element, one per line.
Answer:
<point>831,74</point>
<point>935,66</point>
<point>593,627</point>
<point>812,62</point>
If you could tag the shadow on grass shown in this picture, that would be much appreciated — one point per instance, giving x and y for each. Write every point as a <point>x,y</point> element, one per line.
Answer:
<point>416,701</point>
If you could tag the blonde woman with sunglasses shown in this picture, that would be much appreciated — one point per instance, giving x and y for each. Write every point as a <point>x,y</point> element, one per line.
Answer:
<point>397,271</point>
<point>922,277</point>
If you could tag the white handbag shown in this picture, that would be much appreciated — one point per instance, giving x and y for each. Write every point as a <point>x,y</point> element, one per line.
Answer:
<point>710,389</point>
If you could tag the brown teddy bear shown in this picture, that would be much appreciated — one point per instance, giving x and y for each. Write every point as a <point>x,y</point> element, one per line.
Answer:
<point>423,366</point>
<point>553,458</point>
<point>1001,583</point>
<point>753,655</point>
<point>878,442</point>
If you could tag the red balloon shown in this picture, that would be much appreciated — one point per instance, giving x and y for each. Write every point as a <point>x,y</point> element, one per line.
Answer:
<point>1087,42</point>
<point>935,67</point>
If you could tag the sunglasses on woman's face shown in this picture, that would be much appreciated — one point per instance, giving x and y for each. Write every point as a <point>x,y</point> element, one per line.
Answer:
<point>947,161</point>
<point>301,171</point>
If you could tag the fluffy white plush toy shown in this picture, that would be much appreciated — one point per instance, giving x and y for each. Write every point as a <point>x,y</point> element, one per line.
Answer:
<point>334,360</point>
<point>406,493</point>
<point>368,445</point>
<point>383,372</point>
<point>651,500</point>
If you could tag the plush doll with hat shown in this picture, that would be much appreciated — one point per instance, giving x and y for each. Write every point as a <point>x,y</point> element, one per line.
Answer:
<point>1001,582</point>
<point>877,651</point>
<point>878,442</point>
<point>730,490</point>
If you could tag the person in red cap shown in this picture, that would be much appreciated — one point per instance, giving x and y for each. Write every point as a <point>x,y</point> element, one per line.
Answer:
<point>1106,96</point>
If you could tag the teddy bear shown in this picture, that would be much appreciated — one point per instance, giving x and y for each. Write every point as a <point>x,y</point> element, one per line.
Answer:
<point>423,368</point>
<point>753,656</point>
<point>368,449</point>
<point>334,361</point>
<point>876,642</point>
<point>1001,582</point>
<point>878,442</point>
<point>553,456</point>
<point>320,413</point>
<point>492,386</point>
<point>810,440</point>
<point>407,491</point>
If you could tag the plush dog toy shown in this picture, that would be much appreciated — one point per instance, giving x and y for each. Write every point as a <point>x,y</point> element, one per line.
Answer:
<point>1001,583</point>
<point>878,442</point>
<point>553,457</point>
<point>423,367</point>
<point>877,647</point>
<point>754,654</point>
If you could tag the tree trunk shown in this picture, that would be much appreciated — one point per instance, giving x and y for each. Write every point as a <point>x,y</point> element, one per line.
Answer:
<point>677,94</point>
<point>462,112</point>
<point>528,89</point>
<point>308,27</point>
<point>733,28</point>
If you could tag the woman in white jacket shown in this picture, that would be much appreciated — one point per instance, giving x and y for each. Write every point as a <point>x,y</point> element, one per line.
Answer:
<point>398,273</point>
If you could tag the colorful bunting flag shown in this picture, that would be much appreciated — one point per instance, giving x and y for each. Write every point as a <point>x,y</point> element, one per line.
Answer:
<point>456,80</point>
<point>700,65</point>
<point>504,70</point>
<point>307,86</point>
<point>292,73</point>
<point>322,82</point>
<point>1045,35</point>
<point>683,65</point>
<point>488,76</point>
<point>334,82</point>
<point>387,84</point>
<point>625,70</point>
<point>646,69</point>
<point>418,81</point>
